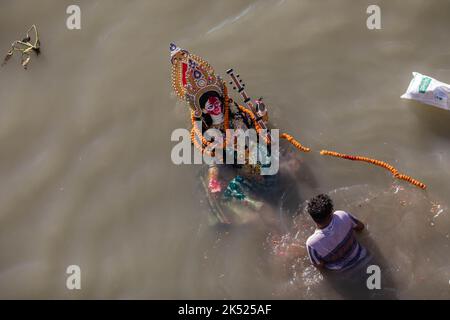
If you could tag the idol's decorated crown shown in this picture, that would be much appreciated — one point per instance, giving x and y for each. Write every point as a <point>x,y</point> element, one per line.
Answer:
<point>192,77</point>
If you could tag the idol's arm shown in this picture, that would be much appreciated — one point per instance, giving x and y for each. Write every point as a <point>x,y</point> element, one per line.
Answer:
<point>213,179</point>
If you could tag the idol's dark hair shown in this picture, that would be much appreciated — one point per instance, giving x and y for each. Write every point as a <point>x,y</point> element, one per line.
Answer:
<point>320,208</point>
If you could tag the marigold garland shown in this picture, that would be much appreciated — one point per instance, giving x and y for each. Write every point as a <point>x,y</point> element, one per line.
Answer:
<point>286,136</point>
<point>379,163</point>
<point>411,180</point>
<point>197,135</point>
<point>294,142</point>
<point>252,117</point>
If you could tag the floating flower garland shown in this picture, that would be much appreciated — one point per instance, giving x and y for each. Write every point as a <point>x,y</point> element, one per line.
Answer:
<point>376,162</point>
<point>294,142</point>
<point>252,117</point>
<point>197,136</point>
<point>379,163</point>
<point>286,136</point>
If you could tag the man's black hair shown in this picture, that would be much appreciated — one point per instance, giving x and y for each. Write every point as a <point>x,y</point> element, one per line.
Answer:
<point>320,208</point>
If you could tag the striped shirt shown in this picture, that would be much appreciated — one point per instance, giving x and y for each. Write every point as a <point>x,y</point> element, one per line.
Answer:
<point>336,245</point>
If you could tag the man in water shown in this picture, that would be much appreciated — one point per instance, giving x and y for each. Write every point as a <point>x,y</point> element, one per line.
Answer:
<point>333,246</point>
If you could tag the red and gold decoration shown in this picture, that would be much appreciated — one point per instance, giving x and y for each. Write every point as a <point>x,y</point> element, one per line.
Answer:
<point>376,162</point>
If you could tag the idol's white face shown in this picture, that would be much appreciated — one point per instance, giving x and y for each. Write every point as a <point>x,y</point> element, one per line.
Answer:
<point>213,106</point>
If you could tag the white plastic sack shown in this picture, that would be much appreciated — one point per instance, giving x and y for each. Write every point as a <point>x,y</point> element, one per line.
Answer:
<point>428,90</point>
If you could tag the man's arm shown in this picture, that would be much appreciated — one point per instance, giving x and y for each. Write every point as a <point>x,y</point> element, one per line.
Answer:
<point>319,265</point>
<point>358,226</point>
<point>315,259</point>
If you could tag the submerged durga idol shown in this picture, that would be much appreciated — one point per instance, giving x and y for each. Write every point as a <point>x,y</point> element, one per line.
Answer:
<point>236,192</point>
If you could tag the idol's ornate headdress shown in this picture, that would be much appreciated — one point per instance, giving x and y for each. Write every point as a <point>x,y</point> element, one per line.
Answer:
<point>192,77</point>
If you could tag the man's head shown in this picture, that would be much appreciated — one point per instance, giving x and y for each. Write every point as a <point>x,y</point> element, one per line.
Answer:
<point>320,208</point>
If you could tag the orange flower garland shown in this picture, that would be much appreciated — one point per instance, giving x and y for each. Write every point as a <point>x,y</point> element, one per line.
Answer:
<point>411,180</point>
<point>197,135</point>
<point>300,147</point>
<point>194,139</point>
<point>379,163</point>
<point>251,115</point>
<point>286,136</point>
<point>294,142</point>
<point>226,117</point>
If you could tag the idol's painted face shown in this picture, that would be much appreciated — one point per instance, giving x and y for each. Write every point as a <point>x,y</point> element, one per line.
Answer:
<point>213,106</point>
